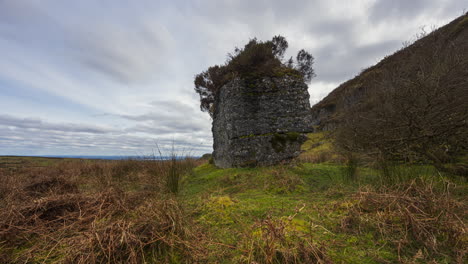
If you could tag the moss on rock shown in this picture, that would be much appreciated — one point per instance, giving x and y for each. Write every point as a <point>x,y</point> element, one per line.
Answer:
<point>279,141</point>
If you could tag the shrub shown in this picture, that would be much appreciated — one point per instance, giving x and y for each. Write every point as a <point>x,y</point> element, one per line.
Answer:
<point>349,171</point>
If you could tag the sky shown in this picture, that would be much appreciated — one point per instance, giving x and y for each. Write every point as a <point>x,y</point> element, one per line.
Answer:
<point>115,77</point>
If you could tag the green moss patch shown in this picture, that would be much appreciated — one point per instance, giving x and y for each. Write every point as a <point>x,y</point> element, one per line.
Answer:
<point>280,141</point>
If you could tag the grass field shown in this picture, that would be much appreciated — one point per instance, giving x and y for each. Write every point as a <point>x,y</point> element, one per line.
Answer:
<point>15,162</point>
<point>188,211</point>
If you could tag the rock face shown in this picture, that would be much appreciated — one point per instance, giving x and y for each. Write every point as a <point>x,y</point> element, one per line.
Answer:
<point>261,123</point>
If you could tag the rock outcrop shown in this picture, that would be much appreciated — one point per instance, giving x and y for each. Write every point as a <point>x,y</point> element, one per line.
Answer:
<point>260,123</point>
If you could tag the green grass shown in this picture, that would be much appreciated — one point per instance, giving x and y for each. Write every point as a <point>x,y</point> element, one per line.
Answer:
<point>318,149</point>
<point>228,202</point>
<point>236,209</point>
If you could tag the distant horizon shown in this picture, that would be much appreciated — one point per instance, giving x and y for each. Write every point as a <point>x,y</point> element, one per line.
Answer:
<point>106,157</point>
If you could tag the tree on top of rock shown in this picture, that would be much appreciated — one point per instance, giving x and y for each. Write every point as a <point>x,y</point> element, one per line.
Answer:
<point>258,59</point>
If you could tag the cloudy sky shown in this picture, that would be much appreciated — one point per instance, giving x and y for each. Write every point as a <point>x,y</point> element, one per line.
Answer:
<point>115,77</point>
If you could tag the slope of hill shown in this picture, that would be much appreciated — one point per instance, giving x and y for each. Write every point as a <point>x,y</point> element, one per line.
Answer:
<point>405,61</point>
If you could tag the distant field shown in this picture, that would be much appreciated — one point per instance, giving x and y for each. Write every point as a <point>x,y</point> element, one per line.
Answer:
<point>15,162</point>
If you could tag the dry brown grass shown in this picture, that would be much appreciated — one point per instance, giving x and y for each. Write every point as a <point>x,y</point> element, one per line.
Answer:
<point>279,240</point>
<point>318,157</point>
<point>95,212</point>
<point>421,218</point>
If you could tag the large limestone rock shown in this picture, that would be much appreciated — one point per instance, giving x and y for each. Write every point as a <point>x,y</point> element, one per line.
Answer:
<point>261,123</point>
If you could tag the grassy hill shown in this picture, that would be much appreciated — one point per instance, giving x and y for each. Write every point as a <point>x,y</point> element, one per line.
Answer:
<point>314,210</point>
<point>406,61</point>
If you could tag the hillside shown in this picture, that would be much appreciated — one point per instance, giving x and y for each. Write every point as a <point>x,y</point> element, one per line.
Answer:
<point>406,62</point>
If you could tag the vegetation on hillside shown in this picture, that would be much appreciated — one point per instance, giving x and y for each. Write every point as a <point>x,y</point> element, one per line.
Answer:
<point>258,59</point>
<point>413,117</point>
<point>410,107</point>
<point>404,65</point>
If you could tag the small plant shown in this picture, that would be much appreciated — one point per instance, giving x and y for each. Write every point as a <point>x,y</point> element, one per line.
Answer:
<point>173,177</point>
<point>174,168</point>
<point>349,171</point>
